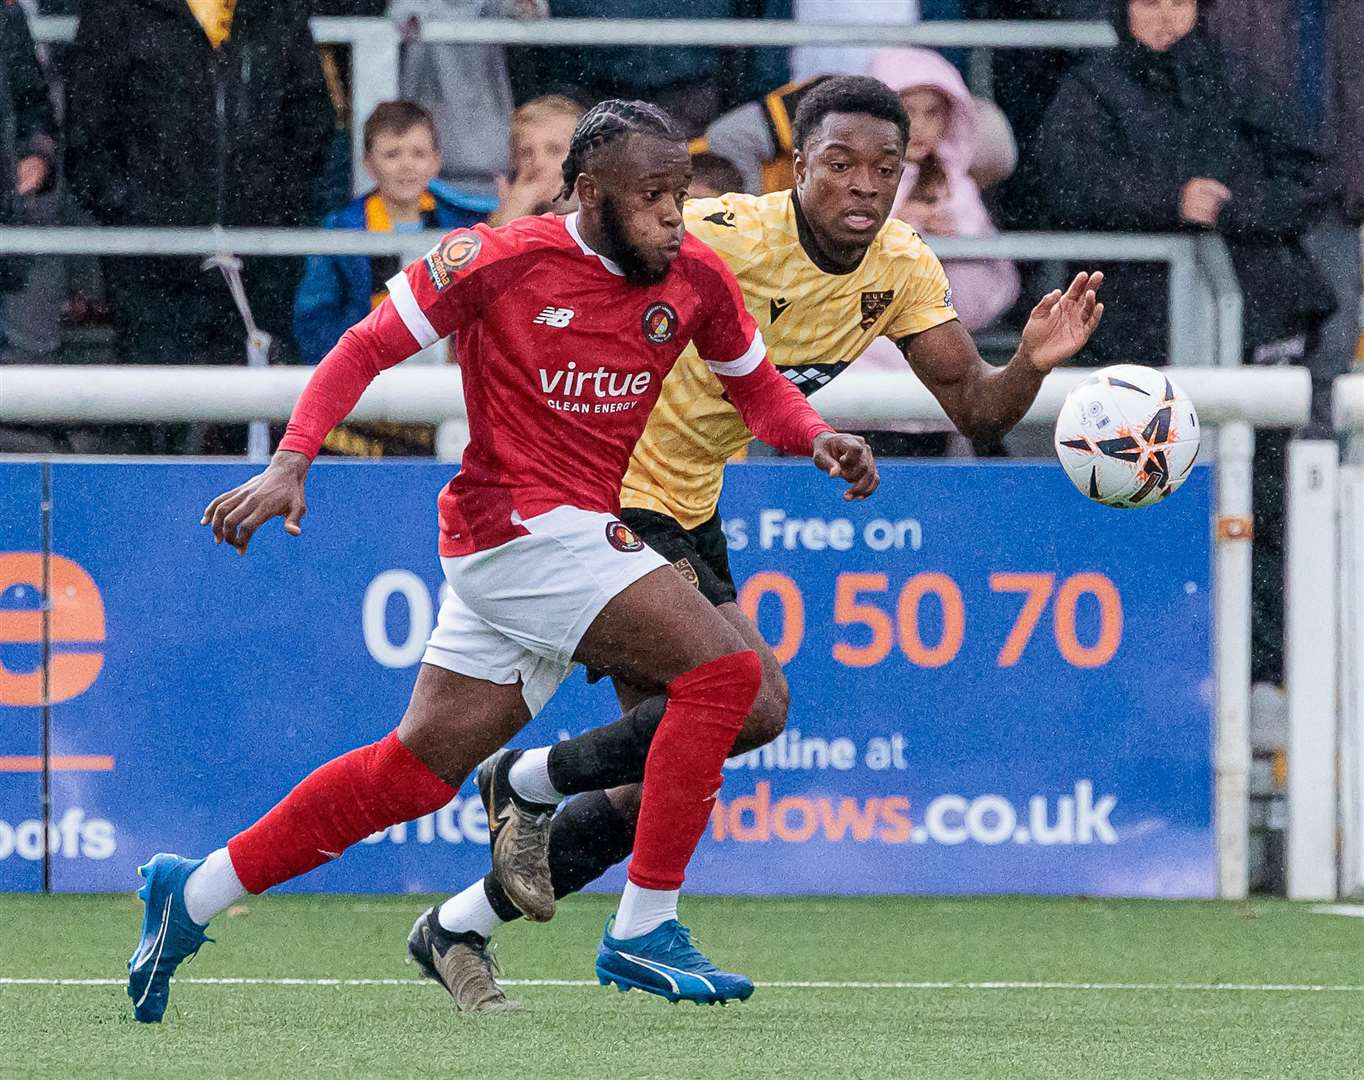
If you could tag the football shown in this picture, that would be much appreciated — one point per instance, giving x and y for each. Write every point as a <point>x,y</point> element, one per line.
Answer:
<point>1127,436</point>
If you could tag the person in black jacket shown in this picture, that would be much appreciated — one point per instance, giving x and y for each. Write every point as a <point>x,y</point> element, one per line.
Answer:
<point>28,130</point>
<point>174,121</point>
<point>1168,132</point>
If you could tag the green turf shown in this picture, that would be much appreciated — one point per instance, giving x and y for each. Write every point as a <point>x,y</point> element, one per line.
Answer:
<point>288,1033</point>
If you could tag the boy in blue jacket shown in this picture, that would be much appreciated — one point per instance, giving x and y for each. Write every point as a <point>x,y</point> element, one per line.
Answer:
<point>402,155</point>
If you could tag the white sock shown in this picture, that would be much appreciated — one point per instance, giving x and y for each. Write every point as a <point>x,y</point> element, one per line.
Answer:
<point>213,887</point>
<point>641,910</point>
<point>468,911</point>
<point>529,777</point>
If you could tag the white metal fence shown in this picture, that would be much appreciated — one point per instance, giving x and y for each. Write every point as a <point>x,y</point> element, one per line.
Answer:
<point>1235,401</point>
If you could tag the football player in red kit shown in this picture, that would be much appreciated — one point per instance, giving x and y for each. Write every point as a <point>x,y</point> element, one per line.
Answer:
<point>567,327</point>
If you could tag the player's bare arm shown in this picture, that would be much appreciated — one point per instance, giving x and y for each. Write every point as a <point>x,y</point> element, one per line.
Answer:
<point>235,515</point>
<point>981,399</point>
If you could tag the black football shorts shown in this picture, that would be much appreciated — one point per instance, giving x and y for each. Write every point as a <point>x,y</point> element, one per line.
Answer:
<point>700,555</point>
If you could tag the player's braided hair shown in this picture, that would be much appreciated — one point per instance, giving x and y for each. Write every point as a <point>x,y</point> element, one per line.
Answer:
<point>607,122</point>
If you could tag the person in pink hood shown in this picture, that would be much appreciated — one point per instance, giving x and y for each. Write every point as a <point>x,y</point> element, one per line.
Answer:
<point>937,195</point>
<point>939,198</point>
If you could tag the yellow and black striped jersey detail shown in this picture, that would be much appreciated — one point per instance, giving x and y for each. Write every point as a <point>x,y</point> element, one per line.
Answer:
<point>815,324</point>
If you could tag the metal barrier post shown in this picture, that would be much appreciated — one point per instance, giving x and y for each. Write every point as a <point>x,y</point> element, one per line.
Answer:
<point>374,78</point>
<point>1351,680</point>
<point>1190,329</point>
<point>1219,274</point>
<point>1231,745</point>
<point>1311,589</point>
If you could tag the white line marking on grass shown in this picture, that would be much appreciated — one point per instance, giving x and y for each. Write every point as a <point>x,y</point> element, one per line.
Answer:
<point>1276,988</point>
<point>1354,911</point>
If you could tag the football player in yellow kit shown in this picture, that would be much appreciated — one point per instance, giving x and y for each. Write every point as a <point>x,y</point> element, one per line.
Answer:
<point>824,271</point>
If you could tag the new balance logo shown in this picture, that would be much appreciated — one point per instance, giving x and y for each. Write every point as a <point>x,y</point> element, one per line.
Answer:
<point>554,316</point>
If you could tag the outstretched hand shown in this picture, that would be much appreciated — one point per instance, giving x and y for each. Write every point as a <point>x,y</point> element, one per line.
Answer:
<point>277,492</point>
<point>1062,322</point>
<point>850,457</point>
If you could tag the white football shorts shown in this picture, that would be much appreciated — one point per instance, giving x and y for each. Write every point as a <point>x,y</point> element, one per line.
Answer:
<point>518,611</point>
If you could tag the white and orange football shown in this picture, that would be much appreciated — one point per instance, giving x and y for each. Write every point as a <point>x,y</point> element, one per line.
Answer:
<point>1127,436</point>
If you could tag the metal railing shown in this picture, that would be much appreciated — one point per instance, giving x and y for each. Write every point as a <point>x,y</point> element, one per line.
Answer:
<point>374,42</point>
<point>1204,297</point>
<point>215,240</point>
<point>69,393</point>
<point>716,33</point>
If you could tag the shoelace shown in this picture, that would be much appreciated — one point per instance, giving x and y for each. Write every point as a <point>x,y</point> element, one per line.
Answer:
<point>486,953</point>
<point>524,843</point>
<point>681,937</point>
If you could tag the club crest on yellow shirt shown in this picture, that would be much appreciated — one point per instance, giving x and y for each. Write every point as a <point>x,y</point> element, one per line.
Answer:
<point>874,305</point>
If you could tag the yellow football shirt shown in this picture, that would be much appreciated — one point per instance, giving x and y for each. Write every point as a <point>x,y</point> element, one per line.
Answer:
<point>815,324</point>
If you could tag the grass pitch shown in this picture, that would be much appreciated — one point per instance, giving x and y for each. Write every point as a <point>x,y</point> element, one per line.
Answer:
<point>1091,989</point>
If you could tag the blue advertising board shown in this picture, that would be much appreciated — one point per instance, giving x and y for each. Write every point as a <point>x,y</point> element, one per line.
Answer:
<point>21,581</point>
<point>996,685</point>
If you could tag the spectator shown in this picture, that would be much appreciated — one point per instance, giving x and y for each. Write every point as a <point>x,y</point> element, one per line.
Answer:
<point>213,113</point>
<point>466,87</point>
<point>713,175</point>
<point>403,157</point>
<point>28,145</point>
<point>756,138</point>
<point>541,130</point>
<point>1168,132</point>
<point>1317,64</point>
<point>937,194</point>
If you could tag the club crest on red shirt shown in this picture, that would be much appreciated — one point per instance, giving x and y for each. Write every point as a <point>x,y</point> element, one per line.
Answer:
<point>623,538</point>
<point>660,322</point>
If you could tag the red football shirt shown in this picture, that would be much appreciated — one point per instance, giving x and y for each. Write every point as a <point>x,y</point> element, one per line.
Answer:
<point>561,358</point>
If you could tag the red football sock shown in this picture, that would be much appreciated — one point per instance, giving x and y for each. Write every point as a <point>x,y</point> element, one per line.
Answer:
<point>682,774</point>
<point>333,807</point>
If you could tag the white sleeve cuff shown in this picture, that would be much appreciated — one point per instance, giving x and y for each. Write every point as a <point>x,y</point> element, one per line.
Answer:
<point>752,357</point>
<point>405,301</point>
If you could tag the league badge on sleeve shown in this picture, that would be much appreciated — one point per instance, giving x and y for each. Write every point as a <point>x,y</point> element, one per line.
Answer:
<point>451,255</point>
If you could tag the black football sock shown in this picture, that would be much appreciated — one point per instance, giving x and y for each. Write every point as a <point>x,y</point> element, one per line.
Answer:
<point>608,756</point>
<point>588,837</point>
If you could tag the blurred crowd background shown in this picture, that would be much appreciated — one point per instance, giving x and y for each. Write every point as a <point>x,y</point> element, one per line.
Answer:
<point>1241,116</point>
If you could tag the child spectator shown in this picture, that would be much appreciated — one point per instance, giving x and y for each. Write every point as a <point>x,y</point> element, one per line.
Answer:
<point>939,197</point>
<point>541,130</point>
<point>937,194</point>
<point>402,156</point>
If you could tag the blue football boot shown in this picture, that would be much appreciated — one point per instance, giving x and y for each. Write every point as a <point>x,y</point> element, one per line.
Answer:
<point>169,935</point>
<point>666,963</point>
